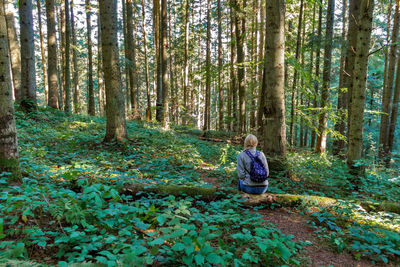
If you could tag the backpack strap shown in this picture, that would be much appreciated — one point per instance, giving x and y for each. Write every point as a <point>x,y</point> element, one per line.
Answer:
<point>250,155</point>
<point>254,158</point>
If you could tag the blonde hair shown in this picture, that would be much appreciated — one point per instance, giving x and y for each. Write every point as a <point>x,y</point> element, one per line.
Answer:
<point>250,141</point>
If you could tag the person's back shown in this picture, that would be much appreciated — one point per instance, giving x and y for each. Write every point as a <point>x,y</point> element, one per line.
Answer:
<point>244,165</point>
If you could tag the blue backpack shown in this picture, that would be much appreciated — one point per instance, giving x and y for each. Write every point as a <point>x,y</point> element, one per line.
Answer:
<point>258,172</point>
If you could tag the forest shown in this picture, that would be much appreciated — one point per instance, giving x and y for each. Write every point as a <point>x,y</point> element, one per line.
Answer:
<point>121,122</point>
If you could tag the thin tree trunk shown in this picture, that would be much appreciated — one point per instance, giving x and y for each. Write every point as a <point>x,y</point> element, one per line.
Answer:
<point>52,55</point>
<point>359,85</point>
<point>43,57</point>
<point>253,58</point>
<point>60,55</point>
<point>342,94</point>
<point>100,68</point>
<point>15,51</point>
<point>326,79</point>
<point>261,94</point>
<point>148,108</point>
<point>91,102</point>
<point>75,79</point>
<point>394,113</point>
<point>171,70</point>
<point>317,74</point>
<point>157,41</point>
<point>115,104</point>
<point>67,79</point>
<point>28,71</point>
<point>207,108</point>
<point>61,26</point>
<point>234,82</point>
<point>220,69</point>
<point>294,88</point>
<point>185,64</point>
<point>9,159</point>
<point>131,55</point>
<point>164,63</point>
<point>273,80</point>
<point>240,40</point>
<point>387,90</point>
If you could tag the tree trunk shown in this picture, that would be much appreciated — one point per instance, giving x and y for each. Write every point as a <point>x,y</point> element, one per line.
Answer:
<point>207,108</point>
<point>387,90</point>
<point>61,28</point>
<point>15,51</point>
<point>273,80</point>
<point>43,57</point>
<point>148,108</point>
<point>294,88</point>
<point>352,33</point>
<point>220,69</point>
<point>28,71</point>
<point>52,55</point>
<point>164,63</point>
<point>326,79</point>
<point>234,83</point>
<point>8,132</point>
<point>75,79</point>
<point>67,78</point>
<point>131,57</point>
<point>359,86</point>
<point>100,68</point>
<point>91,103</point>
<point>171,71</point>
<point>253,70</point>
<point>240,40</point>
<point>342,94</point>
<point>115,104</point>
<point>186,65</point>
<point>317,74</point>
<point>261,94</point>
<point>157,41</point>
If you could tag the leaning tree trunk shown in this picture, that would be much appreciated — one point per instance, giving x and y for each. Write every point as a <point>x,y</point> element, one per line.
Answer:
<point>326,79</point>
<point>43,58</point>
<point>207,107</point>
<point>8,131</point>
<point>67,69</point>
<point>28,71</point>
<point>91,103</point>
<point>52,55</point>
<point>359,86</point>
<point>15,51</point>
<point>115,104</point>
<point>387,90</point>
<point>274,82</point>
<point>164,63</point>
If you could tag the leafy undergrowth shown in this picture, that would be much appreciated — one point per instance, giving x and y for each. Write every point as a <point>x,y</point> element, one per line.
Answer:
<point>69,205</point>
<point>69,208</point>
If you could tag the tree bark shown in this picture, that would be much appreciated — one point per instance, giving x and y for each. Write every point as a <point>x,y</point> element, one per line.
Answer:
<point>75,79</point>
<point>91,102</point>
<point>9,161</point>
<point>388,89</point>
<point>240,23</point>
<point>14,48</point>
<point>220,69</point>
<point>131,57</point>
<point>148,108</point>
<point>156,18</point>
<point>207,107</point>
<point>342,94</point>
<point>359,86</point>
<point>294,88</point>
<point>52,55</point>
<point>261,94</point>
<point>100,68</point>
<point>317,74</point>
<point>28,71</point>
<point>186,65</point>
<point>234,81</point>
<point>67,78</point>
<point>273,80</point>
<point>43,57</point>
<point>115,104</point>
<point>326,79</point>
<point>164,63</point>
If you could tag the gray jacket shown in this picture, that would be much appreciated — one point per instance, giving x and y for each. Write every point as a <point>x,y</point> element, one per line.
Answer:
<point>244,164</point>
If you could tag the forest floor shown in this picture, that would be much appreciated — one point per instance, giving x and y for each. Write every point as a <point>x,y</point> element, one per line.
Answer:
<point>70,208</point>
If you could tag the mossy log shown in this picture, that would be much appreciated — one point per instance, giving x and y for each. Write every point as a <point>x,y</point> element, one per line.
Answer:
<point>210,194</point>
<point>383,206</point>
